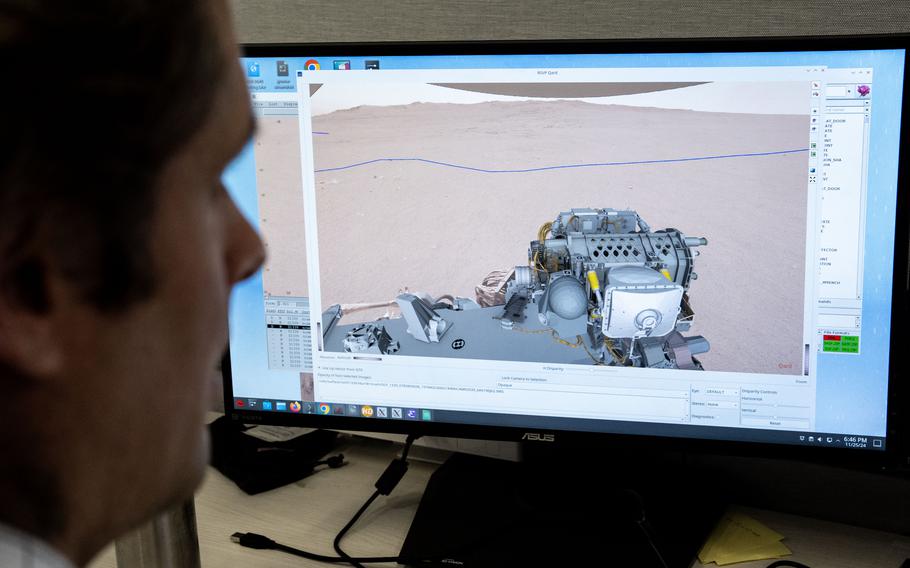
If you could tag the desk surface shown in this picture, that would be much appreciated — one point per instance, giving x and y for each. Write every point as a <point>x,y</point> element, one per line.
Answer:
<point>309,513</point>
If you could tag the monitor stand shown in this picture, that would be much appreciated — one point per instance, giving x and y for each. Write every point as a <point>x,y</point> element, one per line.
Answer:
<point>631,509</point>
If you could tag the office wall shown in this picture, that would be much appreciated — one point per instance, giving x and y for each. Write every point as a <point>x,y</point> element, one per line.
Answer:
<point>264,21</point>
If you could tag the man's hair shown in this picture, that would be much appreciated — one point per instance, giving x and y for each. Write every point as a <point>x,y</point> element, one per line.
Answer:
<point>97,96</point>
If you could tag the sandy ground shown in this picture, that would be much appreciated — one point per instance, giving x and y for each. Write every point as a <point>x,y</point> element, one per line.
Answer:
<point>277,153</point>
<point>387,227</point>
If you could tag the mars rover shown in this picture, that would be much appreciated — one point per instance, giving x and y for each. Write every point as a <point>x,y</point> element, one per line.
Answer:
<point>600,288</point>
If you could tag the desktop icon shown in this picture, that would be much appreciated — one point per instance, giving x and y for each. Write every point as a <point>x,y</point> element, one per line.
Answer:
<point>396,413</point>
<point>308,408</point>
<point>353,410</point>
<point>341,64</point>
<point>295,406</point>
<point>382,412</point>
<point>281,406</point>
<point>811,438</point>
<point>253,403</point>
<point>325,408</point>
<point>411,414</point>
<point>311,65</point>
<point>338,410</point>
<point>366,411</point>
<point>371,64</point>
<point>282,68</point>
<point>426,415</point>
<point>266,404</point>
<point>252,69</point>
<point>239,403</point>
<point>863,90</point>
<point>802,438</point>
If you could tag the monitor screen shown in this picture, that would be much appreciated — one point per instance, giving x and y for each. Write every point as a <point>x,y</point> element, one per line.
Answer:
<point>550,239</point>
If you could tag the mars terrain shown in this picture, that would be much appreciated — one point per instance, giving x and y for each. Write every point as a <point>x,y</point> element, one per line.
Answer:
<point>424,197</point>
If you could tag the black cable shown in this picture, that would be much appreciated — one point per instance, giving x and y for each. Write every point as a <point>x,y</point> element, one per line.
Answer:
<point>260,542</point>
<point>645,527</point>
<point>337,542</point>
<point>407,446</point>
<point>384,486</point>
<point>334,462</point>
<point>789,563</point>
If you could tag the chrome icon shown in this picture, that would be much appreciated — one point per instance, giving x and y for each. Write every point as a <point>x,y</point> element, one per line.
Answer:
<point>311,65</point>
<point>325,408</point>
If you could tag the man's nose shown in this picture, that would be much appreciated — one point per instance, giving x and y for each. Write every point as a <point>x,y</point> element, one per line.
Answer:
<point>246,252</point>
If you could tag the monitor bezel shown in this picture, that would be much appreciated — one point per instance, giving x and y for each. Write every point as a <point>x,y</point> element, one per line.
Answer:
<point>897,445</point>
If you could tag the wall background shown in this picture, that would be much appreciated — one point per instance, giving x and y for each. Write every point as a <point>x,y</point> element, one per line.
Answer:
<point>265,21</point>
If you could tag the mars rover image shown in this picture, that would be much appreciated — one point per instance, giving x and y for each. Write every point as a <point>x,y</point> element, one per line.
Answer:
<point>600,288</point>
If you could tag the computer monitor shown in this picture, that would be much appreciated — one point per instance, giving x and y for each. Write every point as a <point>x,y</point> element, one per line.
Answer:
<point>694,241</point>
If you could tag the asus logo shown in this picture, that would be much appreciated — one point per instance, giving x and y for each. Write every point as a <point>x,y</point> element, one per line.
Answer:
<point>535,437</point>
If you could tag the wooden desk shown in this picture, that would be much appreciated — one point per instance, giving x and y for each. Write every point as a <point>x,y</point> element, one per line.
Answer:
<point>309,513</point>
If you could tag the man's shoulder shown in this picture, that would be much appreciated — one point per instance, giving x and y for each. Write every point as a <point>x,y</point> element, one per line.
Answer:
<point>20,550</point>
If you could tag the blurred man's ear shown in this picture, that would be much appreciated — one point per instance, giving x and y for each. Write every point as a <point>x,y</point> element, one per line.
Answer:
<point>30,338</point>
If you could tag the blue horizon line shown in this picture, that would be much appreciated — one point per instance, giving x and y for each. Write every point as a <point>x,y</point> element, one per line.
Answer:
<point>561,166</point>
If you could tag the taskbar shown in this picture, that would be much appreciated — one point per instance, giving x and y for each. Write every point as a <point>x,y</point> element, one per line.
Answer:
<point>335,409</point>
<point>550,423</point>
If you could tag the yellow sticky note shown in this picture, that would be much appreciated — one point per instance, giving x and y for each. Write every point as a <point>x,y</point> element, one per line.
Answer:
<point>755,527</point>
<point>771,550</point>
<point>738,538</point>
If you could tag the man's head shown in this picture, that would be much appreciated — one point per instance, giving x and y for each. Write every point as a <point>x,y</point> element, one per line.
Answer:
<point>118,248</point>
